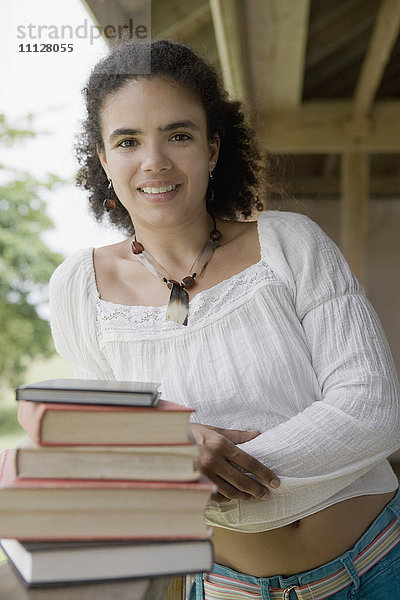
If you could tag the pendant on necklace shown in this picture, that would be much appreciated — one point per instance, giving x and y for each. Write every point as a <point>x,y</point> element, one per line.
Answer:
<point>178,304</point>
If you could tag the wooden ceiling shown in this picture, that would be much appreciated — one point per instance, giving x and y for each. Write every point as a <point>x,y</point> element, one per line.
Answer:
<point>321,79</point>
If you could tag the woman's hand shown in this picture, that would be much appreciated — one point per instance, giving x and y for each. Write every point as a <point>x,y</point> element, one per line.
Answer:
<point>220,458</point>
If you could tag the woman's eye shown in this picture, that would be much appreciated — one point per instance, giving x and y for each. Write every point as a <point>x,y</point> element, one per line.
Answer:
<point>128,143</point>
<point>180,137</point>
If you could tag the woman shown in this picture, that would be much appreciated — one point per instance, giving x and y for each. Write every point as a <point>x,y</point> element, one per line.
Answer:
<point>259,326</point>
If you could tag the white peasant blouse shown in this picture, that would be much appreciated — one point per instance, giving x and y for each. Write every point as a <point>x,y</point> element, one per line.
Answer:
<point>289,346</point>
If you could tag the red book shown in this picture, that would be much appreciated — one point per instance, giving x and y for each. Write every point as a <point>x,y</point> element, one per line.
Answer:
<point>92,425</point>
<point>72,509</point>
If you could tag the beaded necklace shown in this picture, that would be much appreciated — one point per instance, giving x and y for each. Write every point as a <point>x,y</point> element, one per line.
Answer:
<point>178,304</point>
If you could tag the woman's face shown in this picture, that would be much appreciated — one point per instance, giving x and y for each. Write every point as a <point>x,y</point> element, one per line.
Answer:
<point>157,152</point>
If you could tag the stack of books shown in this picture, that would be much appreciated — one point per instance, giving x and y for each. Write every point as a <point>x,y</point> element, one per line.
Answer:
<point>104,486</point>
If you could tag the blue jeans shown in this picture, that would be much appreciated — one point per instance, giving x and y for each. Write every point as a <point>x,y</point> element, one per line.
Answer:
<point>380,582</point>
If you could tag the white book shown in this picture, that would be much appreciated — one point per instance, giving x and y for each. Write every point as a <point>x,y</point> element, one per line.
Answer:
<point>146,463</point>
<point>39,563</point>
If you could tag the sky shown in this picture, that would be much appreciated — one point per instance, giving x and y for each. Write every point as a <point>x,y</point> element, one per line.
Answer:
<point>48,85</point>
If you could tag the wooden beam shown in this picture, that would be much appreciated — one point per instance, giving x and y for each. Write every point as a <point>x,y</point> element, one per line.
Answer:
<point>332,72</point>
<point>277,37</point>
<point>332,33</point>
<point>354,212</point>
<point>189,25</point>
<point>227,18</point>
<point>329,127</point>
<point>103,13</point>
<point>382,41</point>
<point>311,185</point>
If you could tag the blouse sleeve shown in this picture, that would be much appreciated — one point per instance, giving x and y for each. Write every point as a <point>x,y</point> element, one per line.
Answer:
<point>356,424</point>
<point>73,297</point>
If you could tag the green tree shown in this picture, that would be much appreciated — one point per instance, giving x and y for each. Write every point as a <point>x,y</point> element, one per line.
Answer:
<point>26,263</point>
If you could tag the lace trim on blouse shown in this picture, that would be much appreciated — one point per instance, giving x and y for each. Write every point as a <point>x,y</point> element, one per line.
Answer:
<point>206,306</point>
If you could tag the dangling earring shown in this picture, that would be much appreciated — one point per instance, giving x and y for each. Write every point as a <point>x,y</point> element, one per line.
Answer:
<point>109,203</point>
<point>210,189</point>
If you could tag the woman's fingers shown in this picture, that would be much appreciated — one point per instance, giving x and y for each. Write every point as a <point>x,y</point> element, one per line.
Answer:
<point>230,468</point>
<point>232,482</point>
<point>220,447</point>
<point>217,497</point>
<point>237,436</point>
<point>226,491</point>
<point>252,465</point>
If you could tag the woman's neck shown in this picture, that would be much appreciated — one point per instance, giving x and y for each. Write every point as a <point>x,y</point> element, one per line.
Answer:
<point>176,247</point>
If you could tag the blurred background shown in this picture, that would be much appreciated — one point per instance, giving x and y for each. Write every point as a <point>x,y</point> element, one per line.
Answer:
<point>43,216</point>
<point>321,83</point>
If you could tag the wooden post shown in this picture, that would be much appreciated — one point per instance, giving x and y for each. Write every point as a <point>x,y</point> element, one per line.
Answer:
<point>354,211</point>
<point>176,589</point>
<point>228,21</point>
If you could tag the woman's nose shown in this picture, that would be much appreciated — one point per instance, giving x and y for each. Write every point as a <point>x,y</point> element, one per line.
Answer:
<point>155,158</point>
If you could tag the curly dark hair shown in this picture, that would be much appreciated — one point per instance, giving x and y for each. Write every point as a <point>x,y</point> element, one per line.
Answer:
<point>238,175</point>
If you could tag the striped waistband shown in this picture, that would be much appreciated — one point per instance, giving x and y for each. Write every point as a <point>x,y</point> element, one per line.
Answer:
<point>220,587</point>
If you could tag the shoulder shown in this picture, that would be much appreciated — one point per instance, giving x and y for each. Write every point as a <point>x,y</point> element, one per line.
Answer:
<point>295,235</point>
<point>304,257</point>
<point>75,274</point>
<point>240,243</point>
<point>243,232</point>
<point>234,229</point>
<point>289,227</point>
<point>73,297</point>
<point>80,260</point>
<point>105,258</point>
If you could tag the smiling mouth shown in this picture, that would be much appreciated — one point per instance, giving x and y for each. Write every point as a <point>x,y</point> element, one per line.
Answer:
<point>158,190</point>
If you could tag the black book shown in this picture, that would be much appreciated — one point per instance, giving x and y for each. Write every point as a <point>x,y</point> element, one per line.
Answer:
<point>91,391</point>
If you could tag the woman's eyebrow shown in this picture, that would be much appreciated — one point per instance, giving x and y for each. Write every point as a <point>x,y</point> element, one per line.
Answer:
<point>185,124</point>
<point>123,131</point>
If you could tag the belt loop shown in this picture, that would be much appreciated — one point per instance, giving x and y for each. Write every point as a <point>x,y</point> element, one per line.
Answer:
<point>394,505</point>
<point>264,588</point>
<point>199,588</point>
<point>351,570</point>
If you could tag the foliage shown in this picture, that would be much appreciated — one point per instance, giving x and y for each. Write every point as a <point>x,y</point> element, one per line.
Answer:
<point>9,427</point>
<point>26,264</point>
